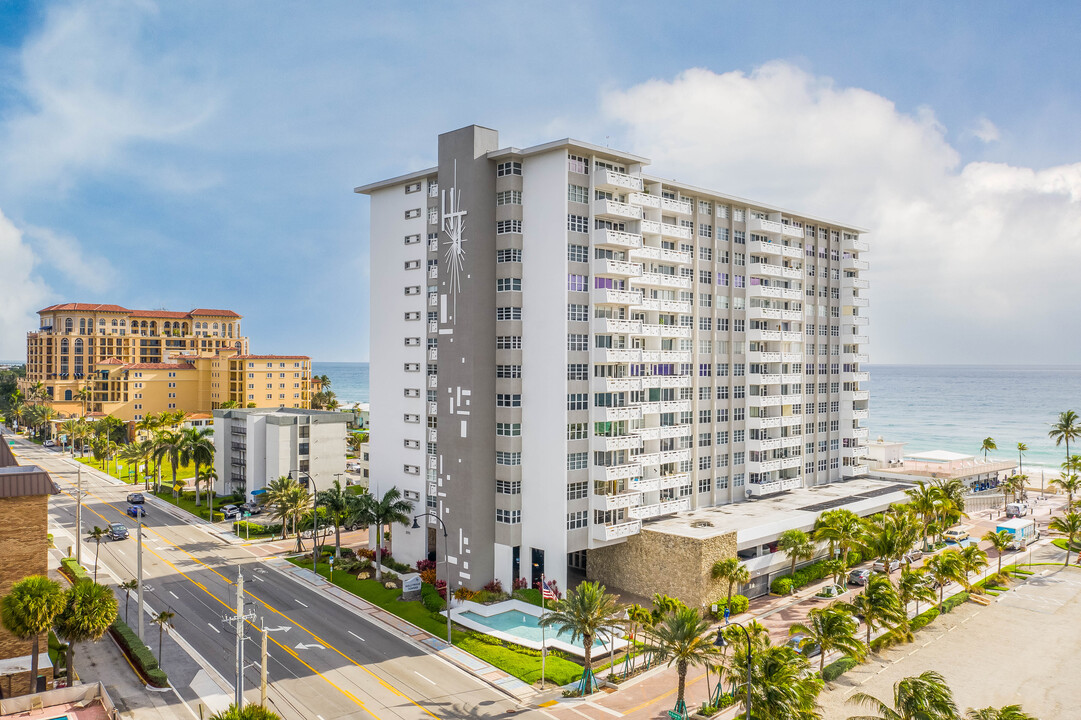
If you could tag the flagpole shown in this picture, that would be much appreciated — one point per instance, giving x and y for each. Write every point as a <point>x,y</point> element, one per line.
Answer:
<point>544,654</point>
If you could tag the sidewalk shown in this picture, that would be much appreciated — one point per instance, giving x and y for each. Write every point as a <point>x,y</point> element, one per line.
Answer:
<point>431,644</point>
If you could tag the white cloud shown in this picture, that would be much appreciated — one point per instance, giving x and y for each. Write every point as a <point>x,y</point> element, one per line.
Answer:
<point>985,131</point>
<point>23,293</point>
<point>65,254</point>
<point>970,263</point>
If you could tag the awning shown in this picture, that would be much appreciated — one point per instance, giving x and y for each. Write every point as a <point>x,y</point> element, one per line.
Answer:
<point>261,491</point>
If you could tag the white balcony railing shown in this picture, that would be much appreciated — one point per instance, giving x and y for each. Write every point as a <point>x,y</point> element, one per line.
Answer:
<point>674,481</point>
<point>614,209</point>
<point>851,263</point>
<point>610,179</point>
<point>683,207</point>
<point>613,325</point>
<point>765,226</point>
<point>608,414</point>
<point>660,280</point>
<point>608,384</point>
<point>644,485</point>
<point>623,442</point>
<point>603,296</point>
<point>791,231</point>
<point>616,502</point>
<point>644,512</point>
<point>668,331</point>
<point>616,268</point>
<point>644,199</point>
<point>617,239</point>
<point>615,532</point>
<point>848,281</point>
<point>648,252</point>
<point>619,472</point>
<point>775,486</point>
<point>668,306</point>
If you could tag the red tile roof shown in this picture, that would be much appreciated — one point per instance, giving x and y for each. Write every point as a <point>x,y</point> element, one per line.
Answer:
<point>111,361</point>
<point>198,416</point>
<point>270,357</point>
<point>159,314</point>
<point>90,307</point>
<point>85,307</point>
<point>214,313</point>
<point>159,366</point>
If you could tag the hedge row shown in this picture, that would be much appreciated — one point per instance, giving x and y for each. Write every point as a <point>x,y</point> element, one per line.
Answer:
<point>953,601</point>
<point>740,603</point>
<point>923,619</point>
<point>74,570</point>
<point>784,584</point>
<point>837,668</point>
<point>139,654</point>
<point>430,598</point>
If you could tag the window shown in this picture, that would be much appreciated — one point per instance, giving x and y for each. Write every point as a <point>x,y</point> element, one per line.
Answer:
<point>508,313</point>
<point>411,367</point>
<point>577,283</point>
<point>412,342</point>
<point>508,429</point>
<point>577,371</point>
<point>508,168</point>
<point>508,342</point>
<point>412,239</point>
<point>578,164</point>
<point>577,401</point>
<point>577,342</point>
<point>578,312</point>
<point>577,519</point>
<point>502,227</point>
<point>705,462</point>
<point>508,255</point>
<point>705,485</point>
<point>577,193</point>
<point>577,490</point>
<point>508,197</point>
<point>577,253</point>
<point>576,431</point>
<point>577,461</point>
<point>508,517</point>
<point>412,316</point>
<point>705,230</point>
<point>412,264</point>
<point>410,418</point>
<point>508,371</point>
<point>414,213</point>
<point>508,458</point>
<point>578,223</point>
<point>508,400</point>
<point>508,487</point>
<point>508,285</point>
<point>412,290</point>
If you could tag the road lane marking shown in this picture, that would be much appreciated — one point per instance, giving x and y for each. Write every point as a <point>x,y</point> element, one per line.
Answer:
<point>602,708</point>
<point>299,603</point>
<point>431,681</point>
<point>358,637</point>
<point>214,628</point>
<point>174,594</point>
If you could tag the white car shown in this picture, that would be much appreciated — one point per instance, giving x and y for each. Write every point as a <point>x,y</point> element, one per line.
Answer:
<point>49,443</point>
<point>880,566</point>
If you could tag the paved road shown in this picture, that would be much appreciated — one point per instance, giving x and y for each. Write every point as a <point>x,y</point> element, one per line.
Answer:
<point>325,662</point>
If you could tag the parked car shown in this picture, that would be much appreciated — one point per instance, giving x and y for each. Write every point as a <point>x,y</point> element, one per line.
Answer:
<point>955,535</point>
<point>117,532</point>
<point>230,512</point>
<point>858,577</point>
<point>913,555</point>
<point>251,508</point>
<point>1013,510</point>
<point>880,566</point>
<point>136,498</point>
<point>49,443</point>
<point>136,511</point>
<point>804,645</point>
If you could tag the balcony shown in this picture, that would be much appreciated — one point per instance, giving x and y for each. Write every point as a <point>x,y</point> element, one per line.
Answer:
<point>856,395</point>
<point>775,486</point>
<point>773,465</point>
<point>606,179</point>
<point>433,354</point>
<point>604,296</point>
<point>758,225</point>
<point>615,502</point>
<point>757,356</point>
<point>856,301</point>
<point>851,263</point>
<point>666,381</point>
<point>764,313</point>
<point>857,320</point>
<point>611,325</point>
<point>644,512</point>
<point>673,481</point>
<point>791,231</point>
<point>774,248</point>
<point>859,433</point>
<point>615,268</point>
<point>608,384</point>
<point>855,377</point>
<point>856,339</point>
<point>771,291</point>
<point>854,244</point>
<point>643,485</point>
<point>616,239</point>
<point>664,281</point>
<point>848,281</point>
<point>652,227</point>
<point>672,306</point>
<point>616,210</point>
<point>650,201</point>
<point>764,400</point>
<point>766,378</point>
<point>618,472</point>
<point>648,252</point>
<point>849,471</point>
<point>854,357</point>
<point>668,331</point>
<point>774,443</point>
<point>791,378</point>
<point>851,413</point>
<point>682,207</point>
<point>672,356</point>
<point>623,442</point>
<point>603,414</point>
<point>754,334</point>
<point>858,451</point>
<point>604,533</point>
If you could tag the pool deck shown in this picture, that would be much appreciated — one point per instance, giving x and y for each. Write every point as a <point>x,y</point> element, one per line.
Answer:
<point>458,615</point>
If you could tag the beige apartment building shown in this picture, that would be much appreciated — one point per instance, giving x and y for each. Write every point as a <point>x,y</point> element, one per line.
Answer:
<point>110,360</point>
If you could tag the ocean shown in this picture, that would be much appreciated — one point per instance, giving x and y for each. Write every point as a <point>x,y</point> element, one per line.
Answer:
<point>930,407</point>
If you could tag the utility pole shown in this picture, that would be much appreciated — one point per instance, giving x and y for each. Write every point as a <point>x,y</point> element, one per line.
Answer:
<point>79,516</point>
<point>139,569</point>
<point>239,619</point>
<point>262,667</point>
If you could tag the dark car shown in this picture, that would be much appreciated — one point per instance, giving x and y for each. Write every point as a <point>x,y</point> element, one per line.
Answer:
<point>804,645</point>
<point>858,577</point>
<point>251,508</point>
<point>136,498</point>
<point>136,511</point>
<point>117,532</point>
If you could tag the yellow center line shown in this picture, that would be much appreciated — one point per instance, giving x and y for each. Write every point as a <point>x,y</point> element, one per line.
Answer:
<point>330,682</point>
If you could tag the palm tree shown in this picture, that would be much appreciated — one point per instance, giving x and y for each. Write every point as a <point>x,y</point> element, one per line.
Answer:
<point>248,712</point>
<point>1070,484</point>
<point>298,502</point>
<point>953,492</point>
<point>780,687</point>
<point>278,493</point>
<point>128,587</point>
<point>924,499</point>
<point>387,510</point>
<point>943,568</point>
<point>972,561</point>
<point>68,428</point>
<point>1007,712</point>
<point>147,425</point>
<point>163,620</point>
<point>1070,525</point>
<point>1013,487</point>
<point>339,505</point>
<point>29,610</point>
<point>831,628</point>
<point>797,546</point>
<point>1000,541</point>
<point>912,586</point>
<point>85,395</point>
<point>988,444</point>
<point>683,638</point>
<point>731,570</point>
<point>209,477</point>
<point>197,449</point>
<point>637,617</point>
<point>841,529</point>
<point>1022,448</point>
<point>924,697</point>
<point>878,604</point>
<point>169,446</point>
<point>96,535</point>
<point>1066,429</point>
<point>584,612</point>
<point>89,610</point>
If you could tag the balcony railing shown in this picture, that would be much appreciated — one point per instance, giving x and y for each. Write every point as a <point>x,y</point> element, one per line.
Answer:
<point>616,502</point>
<point>617,268</point>
<point>648,252</point>
<point>617,239</point>
<point>774,486</point>
<point>661,280</point>
<point>766,226</point>
<point>611,208</point>
<point>643,512</point>
<point>772,291</point>
<point>615,532</point>
<point>610,179</point>
<point>651,201</point>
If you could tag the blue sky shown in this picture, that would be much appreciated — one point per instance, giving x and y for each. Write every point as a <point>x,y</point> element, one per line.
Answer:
<point>203,154</point>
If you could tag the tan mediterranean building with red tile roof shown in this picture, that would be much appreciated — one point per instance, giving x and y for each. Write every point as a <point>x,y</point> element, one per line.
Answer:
<point>127,363</point>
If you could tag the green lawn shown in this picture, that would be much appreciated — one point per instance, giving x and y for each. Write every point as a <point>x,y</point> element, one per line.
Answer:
<point>522,663</point>
<point>186,501</point>
<point>183,472</point>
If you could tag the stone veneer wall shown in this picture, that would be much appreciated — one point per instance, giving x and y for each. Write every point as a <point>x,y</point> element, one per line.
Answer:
<point>655,562</point>
<point>24,551</point>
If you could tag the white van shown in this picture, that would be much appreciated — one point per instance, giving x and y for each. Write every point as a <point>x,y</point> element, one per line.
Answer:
<point>1017,509</point>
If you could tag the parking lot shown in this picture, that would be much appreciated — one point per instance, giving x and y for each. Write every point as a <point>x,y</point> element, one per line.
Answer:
<point>1022,648</point>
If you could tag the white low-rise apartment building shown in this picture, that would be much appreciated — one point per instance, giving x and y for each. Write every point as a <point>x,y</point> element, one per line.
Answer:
<point>569,347</point>
<point>253,447</point>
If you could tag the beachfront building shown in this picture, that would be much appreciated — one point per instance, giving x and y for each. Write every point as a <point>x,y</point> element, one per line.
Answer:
<point>572,348</point>
<point>109,360</point>
<point>253,447</point>
<point>888,461</point>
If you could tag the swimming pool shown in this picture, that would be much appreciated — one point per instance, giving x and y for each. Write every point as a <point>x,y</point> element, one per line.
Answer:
<point>518,622</point>
<point>521,625</point>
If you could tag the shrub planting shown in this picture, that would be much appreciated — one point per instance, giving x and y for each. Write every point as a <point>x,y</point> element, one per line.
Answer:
<point>140,655</point>
<point>781,586</point>
<point>838,668</point>
<point>739,604</point>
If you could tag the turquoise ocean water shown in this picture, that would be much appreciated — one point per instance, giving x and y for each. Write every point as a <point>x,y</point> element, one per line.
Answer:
<point>931,407</point>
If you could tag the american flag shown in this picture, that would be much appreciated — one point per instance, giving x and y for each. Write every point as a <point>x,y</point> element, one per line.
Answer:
<point>546,592</point>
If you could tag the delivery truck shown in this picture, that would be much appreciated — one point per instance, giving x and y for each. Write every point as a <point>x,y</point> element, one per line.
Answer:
<point>1024,532</point>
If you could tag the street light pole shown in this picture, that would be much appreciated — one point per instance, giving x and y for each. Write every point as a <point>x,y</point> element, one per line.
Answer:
<point>79,516</point>
<point>139,569</point>
<point>446,558</point>
<point>721,642</point>
<point>315,524</point>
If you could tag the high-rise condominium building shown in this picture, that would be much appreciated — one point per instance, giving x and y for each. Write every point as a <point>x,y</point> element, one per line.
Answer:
<point>569,347</point>
<point>110,360</point>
